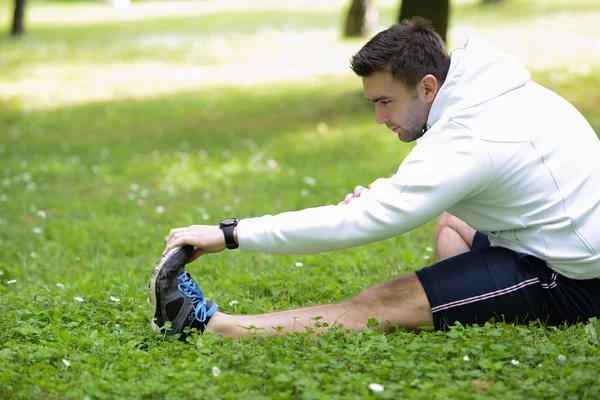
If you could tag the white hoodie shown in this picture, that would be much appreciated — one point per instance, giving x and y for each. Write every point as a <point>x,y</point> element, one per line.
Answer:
<point>507,156</point>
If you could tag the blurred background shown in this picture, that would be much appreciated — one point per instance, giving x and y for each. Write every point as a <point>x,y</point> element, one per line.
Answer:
<point>72,52</point>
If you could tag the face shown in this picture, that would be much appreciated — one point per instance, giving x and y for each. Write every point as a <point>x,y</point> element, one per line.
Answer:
<point>401,109</point>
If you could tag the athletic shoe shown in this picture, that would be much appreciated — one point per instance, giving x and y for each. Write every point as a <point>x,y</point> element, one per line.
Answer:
<point>176,297</point>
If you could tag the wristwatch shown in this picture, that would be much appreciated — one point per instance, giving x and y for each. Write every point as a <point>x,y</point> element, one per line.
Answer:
<point>228,225</point>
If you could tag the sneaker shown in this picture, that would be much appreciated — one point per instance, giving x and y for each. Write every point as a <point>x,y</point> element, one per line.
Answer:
<point>176,297</point>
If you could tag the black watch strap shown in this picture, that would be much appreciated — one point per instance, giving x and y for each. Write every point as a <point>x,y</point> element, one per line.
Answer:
<point>228,225</point>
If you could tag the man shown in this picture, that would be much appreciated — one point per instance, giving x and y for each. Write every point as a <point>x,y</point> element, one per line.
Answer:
<point>513,169</point>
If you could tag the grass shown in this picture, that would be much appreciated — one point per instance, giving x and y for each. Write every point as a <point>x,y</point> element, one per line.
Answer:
<point>112,133</point>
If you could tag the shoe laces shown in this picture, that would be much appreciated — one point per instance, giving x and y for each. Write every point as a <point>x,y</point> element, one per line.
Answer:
<point>190,289</point>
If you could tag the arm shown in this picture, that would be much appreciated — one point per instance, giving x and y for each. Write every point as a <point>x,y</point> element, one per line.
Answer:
<point>436,175</point>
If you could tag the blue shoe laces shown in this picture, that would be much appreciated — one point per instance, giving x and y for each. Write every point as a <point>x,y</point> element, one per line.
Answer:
<point>190,289</point>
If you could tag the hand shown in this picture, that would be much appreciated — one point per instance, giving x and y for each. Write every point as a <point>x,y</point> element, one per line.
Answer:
<point>207,239</point>
<point>357,191</point>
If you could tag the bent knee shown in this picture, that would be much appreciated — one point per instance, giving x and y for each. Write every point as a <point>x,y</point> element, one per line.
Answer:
<point>449,221</point>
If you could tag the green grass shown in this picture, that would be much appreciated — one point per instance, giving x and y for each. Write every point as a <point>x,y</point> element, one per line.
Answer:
<point>86,168</point>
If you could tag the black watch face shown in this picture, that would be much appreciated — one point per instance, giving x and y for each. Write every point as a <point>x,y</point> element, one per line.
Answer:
<point>228,221</point>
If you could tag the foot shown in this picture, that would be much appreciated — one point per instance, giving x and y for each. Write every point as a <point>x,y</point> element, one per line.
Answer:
<point>176,297</point>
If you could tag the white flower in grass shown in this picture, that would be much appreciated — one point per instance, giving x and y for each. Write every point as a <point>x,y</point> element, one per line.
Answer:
<point>79,299</point>
<point>466,358</point>
<point>115,299</point>
<point>131,196</point>
<point>1,273</point>
<point>3,197</point>
<point>304,192</point>
<point>205,217</point>
<point>515,362</point>
<point>429,249</point>
<point>376,387</point>
<point>144,193</point>
<point>140,202</point>
<point>232,303</point>
<point>562,357</point>
<point>42,214</point>
<point>60,285</point>
<point>11,281</point>
<point>134,187</point>
<point>160,209</point>
<point>309,181</point>
<point>216,371</point>
<point>33,255</point>
<point>37,231</point>
<point>426,257</point>
<point>299,264</point>
<point>66,362</point>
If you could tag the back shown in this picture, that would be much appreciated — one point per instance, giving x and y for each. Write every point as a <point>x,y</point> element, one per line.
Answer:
<point>544,198</point>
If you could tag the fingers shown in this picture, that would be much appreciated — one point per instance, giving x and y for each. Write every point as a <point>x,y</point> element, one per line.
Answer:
<point>357,190</point>
<point>174,232</point>
<point>181,240</point>
<point>209,239</point>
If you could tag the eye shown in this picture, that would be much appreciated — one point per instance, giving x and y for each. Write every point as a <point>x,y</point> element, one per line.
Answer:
<point>385,102</point>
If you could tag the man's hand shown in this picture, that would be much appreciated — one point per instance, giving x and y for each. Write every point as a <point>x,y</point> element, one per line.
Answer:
<point>357,191</point>
<point>207,239</point>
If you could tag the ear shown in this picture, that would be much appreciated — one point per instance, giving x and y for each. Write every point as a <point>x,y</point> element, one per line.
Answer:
<point>428,88</point>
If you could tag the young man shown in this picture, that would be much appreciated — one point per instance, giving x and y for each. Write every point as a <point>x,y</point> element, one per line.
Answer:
<point>512,168</point>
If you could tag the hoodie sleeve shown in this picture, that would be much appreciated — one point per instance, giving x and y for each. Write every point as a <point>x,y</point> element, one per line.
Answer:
<point>442,169</point>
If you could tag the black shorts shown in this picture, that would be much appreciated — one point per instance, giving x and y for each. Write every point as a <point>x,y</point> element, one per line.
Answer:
<point>496,283</point>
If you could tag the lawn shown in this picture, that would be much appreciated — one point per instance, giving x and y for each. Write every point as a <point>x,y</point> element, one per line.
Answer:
<point>118,125</point>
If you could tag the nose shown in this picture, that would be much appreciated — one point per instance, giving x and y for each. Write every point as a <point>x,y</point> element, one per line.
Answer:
<point>381,116</point>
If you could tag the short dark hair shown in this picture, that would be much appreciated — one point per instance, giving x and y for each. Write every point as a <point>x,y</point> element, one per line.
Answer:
<point>408,50</point>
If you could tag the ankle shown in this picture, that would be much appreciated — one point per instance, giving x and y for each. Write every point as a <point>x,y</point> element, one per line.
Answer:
<point>215,323</point>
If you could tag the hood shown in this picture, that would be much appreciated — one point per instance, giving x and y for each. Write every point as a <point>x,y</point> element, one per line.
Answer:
<point>478,73</point>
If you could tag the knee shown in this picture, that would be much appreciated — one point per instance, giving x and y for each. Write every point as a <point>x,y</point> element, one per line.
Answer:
<point>445,221</point>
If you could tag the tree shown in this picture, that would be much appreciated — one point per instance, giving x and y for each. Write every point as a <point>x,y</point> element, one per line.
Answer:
<point>361,19</point>
<point>18,26</point>
<point>436,11</point>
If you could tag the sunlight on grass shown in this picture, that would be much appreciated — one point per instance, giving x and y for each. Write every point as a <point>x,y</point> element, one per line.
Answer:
<point>554,41</point>
<point>265,57</point>
<point>97,13</point>
<point>195,59</point>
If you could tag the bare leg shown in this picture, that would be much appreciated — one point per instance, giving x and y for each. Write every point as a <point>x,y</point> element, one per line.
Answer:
<point>452,237</point>
<point>401,302</point>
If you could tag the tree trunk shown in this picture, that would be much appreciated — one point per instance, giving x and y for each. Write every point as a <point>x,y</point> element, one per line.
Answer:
<point>18,26</point>
<point>436,11</point>
<point>361,19</point>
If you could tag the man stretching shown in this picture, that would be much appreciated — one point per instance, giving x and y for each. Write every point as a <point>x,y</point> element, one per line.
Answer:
<point>513,169</point>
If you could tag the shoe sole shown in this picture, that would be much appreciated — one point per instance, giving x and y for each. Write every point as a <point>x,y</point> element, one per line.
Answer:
<point>152,286</point>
